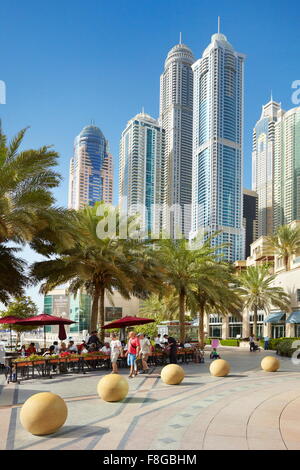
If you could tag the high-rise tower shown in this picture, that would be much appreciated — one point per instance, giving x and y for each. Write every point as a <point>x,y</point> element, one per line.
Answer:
<point>218,145</point>
<point>262,165</point>
<point>140,181</point>
<point>286,184</point>
<point>176,118</point>
<point>91,177</point>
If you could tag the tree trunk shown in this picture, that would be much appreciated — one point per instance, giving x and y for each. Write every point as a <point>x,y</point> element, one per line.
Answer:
<point>286,262</point>
<point>101,318</point>
<point>201,328</point>
<point>94,316</point>
<point>255,322</point>
<point>181,316</point>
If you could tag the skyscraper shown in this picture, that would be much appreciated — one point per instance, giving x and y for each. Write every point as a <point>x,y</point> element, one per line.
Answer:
<point>262,165</point>
<point>176,118</point>
<point>250,208</point>
<point>90,178</point>
<point>140,181</point>
<point>286,184</point>
<point>218,145</point>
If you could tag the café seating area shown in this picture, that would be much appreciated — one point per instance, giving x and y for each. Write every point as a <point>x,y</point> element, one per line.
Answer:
<point>24,368</point>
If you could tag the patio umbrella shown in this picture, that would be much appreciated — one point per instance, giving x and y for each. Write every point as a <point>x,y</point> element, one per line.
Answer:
<point>43,320</point>
<point>127,321</point>
<point>62,332</point>
<point>9,320</point>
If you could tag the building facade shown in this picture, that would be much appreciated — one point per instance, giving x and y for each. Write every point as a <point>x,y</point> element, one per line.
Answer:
<point>79,308</point>
<point>250,210</point>
<point>263,164</point>
<point>287,168</point>
<point>91,172</point>
<point>140,172</point>
<point>176,118</point>
<point>218,145</point>
<point>275,324</point>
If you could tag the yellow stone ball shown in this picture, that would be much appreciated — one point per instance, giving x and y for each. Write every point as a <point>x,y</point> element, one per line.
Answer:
<point>219,368</point>
<point>43,413</point>
<point>112,387</point>
<point>172,374</point>
<point>270,364</point>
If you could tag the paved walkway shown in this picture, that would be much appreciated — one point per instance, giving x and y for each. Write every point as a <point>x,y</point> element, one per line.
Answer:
<point>249,409</point>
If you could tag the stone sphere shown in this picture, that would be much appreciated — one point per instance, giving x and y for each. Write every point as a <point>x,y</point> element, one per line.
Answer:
<point>172,374</point>
<point>112,387</point>
<point>219,368</point>
<point>270,364</point>
<point>43,413</point>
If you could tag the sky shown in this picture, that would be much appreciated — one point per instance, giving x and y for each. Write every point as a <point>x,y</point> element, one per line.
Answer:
<point>67,62</point>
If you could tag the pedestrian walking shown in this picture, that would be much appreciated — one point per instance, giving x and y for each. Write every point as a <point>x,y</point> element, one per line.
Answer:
<point>144,352</point>
<point>116,350</point>
<point>133,349</point>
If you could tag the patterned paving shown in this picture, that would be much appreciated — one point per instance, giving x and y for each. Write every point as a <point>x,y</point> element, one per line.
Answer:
<point>249,409</point>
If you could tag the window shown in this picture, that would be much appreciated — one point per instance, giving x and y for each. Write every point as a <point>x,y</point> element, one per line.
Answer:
<point>298,295</point>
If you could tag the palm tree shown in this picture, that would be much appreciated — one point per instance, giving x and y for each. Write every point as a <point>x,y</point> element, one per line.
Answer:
<point>257,293</point>
<point>26,206</point>
<point>164,308</point>
<point>181,267</point>
<point>285,242</point>
<point>214,291</point>
<point>13,279</point>
<point>26,180</point>
<point>100,265</point>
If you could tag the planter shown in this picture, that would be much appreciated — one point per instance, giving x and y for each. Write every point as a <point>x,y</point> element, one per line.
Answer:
<point>22,364</point>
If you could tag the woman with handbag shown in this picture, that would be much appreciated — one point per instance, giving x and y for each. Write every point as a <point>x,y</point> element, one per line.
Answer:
<point>133,349</point>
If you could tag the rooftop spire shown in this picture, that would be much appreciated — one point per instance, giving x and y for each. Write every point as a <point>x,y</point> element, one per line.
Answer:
<point>219,25</point>
<point>180,38</point>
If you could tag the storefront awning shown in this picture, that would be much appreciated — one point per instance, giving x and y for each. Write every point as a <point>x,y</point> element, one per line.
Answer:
<point>274,317</point>
<point>294,317</point>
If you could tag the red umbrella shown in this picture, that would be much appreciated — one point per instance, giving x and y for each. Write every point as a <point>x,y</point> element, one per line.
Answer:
<point>62,332</point>
<point>44,319</point>
<point>9,320</point>
<point>127,321</point>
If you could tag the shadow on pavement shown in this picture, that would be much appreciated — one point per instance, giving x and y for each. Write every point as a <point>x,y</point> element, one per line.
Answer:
<point>79,431</point>
<point>130,400</point>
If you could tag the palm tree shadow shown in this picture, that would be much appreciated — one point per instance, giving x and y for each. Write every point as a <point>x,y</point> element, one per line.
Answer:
<point>131,400</point>
<point>79,431</point>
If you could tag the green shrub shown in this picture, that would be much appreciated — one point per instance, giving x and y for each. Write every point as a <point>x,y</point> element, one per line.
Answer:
<point>230,342</point>
<point>284,347</point>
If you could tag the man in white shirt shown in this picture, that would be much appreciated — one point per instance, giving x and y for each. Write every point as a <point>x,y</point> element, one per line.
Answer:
<point>144,351</point>
<point>115,351</point>
<point>72,348</point>
<point>106,349</point>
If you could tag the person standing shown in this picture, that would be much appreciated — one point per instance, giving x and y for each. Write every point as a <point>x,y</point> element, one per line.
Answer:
<point>133,349</point>
<point>144,351</point>
<point>116,350</point>
<point>172,348</point>
<point>93,339</point>
<point>252,343</point>
<point>266,342</point>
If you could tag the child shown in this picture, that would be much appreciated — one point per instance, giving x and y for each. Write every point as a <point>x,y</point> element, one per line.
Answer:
<point>214,354</point>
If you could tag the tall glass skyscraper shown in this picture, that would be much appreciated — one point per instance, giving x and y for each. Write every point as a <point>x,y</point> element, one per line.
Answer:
<point>262,165</point>
<point>218,145</point>
<point>140,180</point>
<point>287,168</point>
<point>176,118</point>
<point>91,177</point>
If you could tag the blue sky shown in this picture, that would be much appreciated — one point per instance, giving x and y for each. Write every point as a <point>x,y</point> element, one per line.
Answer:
<point>69,61</point>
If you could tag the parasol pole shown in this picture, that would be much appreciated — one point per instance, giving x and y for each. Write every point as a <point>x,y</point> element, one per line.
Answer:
<point>44,336</point>
<point>10,338</point>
